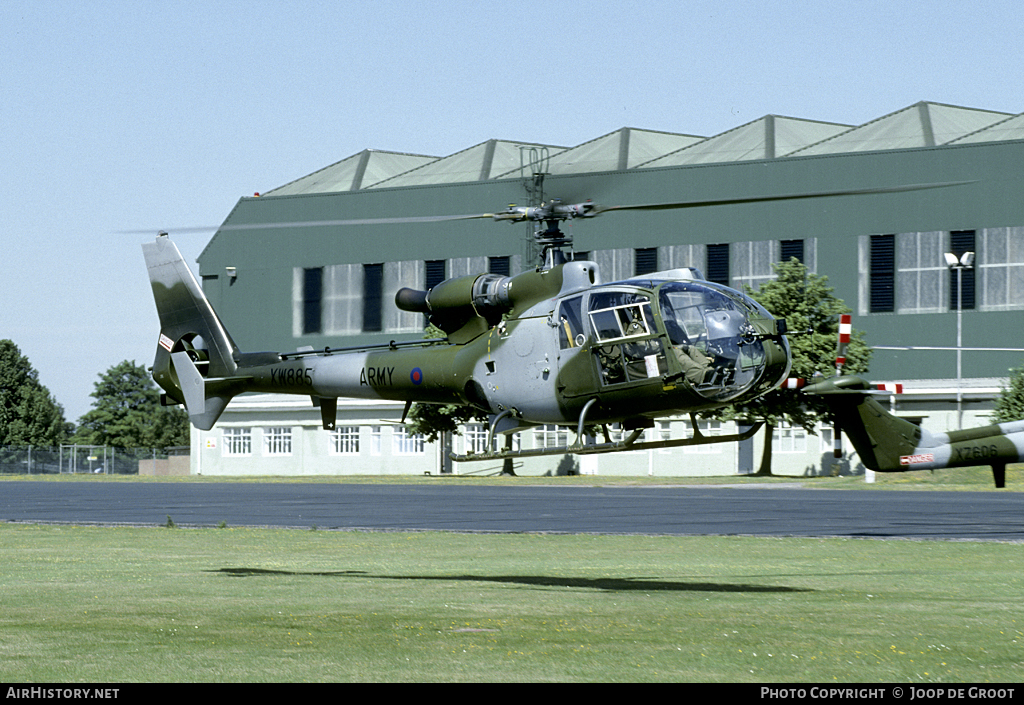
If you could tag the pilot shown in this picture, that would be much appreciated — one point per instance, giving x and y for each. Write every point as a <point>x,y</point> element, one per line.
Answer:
<point>636,325</point>
<point>694,361</point>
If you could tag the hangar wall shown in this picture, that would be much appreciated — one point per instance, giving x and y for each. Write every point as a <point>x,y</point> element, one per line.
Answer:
<point>258,304</point>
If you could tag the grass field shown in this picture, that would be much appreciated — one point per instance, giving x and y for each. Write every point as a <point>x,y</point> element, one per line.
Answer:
<point>124,605</point>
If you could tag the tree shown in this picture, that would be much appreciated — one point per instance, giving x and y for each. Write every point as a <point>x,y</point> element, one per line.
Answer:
<point>29,415</point>
<point>432,420</point>
<point>127,413</point>
<point>812,313</point>
<point>1010,404</point>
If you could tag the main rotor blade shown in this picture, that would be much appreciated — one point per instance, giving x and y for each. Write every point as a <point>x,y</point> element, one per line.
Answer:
<point>783,197</point>
<point>597,209</point>
<point>356,221</point>
<point>317,223</point>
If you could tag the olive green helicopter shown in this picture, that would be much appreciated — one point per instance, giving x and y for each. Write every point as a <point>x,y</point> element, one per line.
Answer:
<point>552,345</point>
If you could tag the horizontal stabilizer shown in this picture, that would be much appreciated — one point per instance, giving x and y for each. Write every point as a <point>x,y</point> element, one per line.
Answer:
<point>203,410</point>
<point>191,382</point>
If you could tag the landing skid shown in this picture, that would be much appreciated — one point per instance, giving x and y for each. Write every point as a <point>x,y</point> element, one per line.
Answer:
<point>628,443</point>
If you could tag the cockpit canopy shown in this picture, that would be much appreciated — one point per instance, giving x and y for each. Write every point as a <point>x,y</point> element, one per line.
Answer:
<point>709,329</point>
<point>711,325</point>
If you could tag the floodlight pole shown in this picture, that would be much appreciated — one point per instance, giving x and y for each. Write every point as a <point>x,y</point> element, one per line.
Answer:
<point>965,261</point>
<point>959,348</point>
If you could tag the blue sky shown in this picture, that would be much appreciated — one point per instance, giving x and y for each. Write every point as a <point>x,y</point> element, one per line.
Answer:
<point>119,115</point>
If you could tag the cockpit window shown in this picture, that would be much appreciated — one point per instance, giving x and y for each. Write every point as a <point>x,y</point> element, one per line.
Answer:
<point>620,316</point>
<point>625,343</point>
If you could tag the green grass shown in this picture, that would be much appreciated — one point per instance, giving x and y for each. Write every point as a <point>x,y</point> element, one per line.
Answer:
<point>171,604</point>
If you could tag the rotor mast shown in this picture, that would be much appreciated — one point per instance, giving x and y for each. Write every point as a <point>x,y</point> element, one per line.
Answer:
<point>549,236</point>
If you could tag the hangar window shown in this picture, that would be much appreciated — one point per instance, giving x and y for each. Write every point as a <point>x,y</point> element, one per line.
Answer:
<point>751,263</point>
<point>681,256</point>
<point>907,273</point>
<point>961,241</point>
<point>882,263</point>
<point>499,265</point>
<point>645,260</point>
<point>791,249</point>
<point>312,299</point>
<point>920,272</point>
<point>406,273</point>
<point>348,299</point>
<point>336,299</point>
<point>435,272</point>
<point>804,250</point>
<point>373,297</point>
<point>742,264</point>
<point>615,265</point>
<point>1000,265</point>
<point>717,269</point>
<point>461,266</point>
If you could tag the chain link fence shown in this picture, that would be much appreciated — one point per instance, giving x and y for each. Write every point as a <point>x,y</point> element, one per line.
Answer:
<point>79,459</point>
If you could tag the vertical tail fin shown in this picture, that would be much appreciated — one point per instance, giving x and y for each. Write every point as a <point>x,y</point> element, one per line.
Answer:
<point>195,356</point>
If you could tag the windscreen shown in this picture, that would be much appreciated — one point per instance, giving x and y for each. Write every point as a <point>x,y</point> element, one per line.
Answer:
<point>712,337</point>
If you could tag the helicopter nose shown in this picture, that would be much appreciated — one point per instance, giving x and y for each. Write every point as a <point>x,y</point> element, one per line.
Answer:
<point>777,362</point>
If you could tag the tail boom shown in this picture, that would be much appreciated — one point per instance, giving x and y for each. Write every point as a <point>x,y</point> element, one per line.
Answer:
<point>198,364</point>
<point>886,443</point>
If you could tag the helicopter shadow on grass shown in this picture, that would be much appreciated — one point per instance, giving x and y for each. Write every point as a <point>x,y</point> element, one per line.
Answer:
<point>539,581</point>
<point>253,572</point>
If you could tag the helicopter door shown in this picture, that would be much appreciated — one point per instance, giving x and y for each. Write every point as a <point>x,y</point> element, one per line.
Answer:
<point>625,346</point>
<point>575,370</point>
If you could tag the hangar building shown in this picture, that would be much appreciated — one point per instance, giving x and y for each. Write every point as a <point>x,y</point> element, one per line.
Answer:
<point>294,285</point>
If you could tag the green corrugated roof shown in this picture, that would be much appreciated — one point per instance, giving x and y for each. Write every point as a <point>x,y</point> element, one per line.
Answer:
<point>1012,128</point>
<point>765,138</point>
<point>920,125</point>
<point>623,149</point>
<point>486,160</point>
<point>352,173</point>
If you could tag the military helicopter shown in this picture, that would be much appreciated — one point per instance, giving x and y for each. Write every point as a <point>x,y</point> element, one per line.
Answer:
<point>552,345</point>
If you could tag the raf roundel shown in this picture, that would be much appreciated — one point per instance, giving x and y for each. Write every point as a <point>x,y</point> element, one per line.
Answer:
<point>416,376</point>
